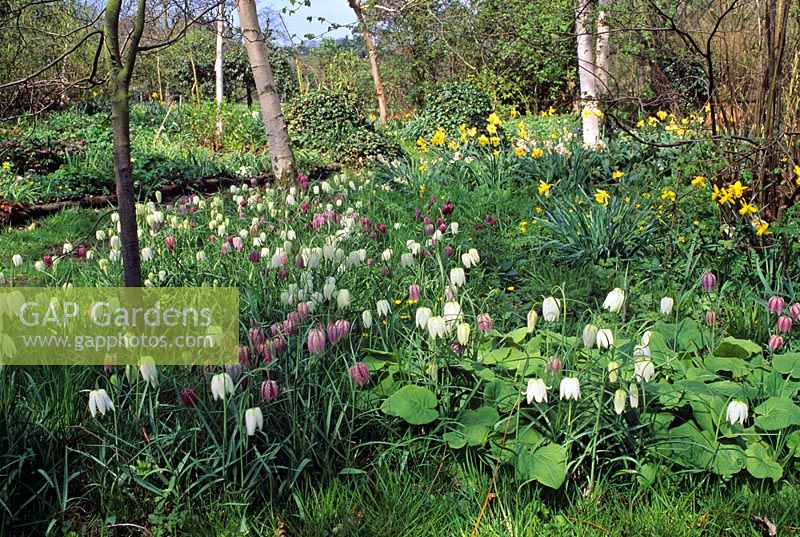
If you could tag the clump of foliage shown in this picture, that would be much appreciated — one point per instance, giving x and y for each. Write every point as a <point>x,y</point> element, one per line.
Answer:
<point>332,123</point>
<point>449,106</point>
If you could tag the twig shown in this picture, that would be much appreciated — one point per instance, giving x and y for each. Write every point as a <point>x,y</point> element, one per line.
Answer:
<point>494,472</point>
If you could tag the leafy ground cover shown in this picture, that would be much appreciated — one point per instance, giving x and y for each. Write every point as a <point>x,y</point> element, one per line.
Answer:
<point>609,332</point>
<point>68,154</point>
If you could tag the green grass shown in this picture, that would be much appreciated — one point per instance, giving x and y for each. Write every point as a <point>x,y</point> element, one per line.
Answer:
<point>43,237</point>
<point>396,503</point>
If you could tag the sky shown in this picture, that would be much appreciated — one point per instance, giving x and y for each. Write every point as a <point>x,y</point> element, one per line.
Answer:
<point>336,11</point>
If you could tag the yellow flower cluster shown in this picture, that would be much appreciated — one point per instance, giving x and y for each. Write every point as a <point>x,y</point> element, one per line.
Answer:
<point>602,197</point>
<point>439,137</point>
<point>466,133</point>
<point>728,194</point>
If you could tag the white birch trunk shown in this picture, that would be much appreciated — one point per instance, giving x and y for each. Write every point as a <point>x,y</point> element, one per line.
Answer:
<point>280,149</point>
<point>590,112</point>
<point>602,48</point>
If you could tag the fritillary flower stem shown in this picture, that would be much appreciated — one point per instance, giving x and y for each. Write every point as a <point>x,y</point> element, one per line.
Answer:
<point>563,311</point>
<point>595,435</point>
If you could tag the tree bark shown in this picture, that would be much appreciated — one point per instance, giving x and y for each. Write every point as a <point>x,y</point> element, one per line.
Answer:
<point>126,205</point>
<point>120,72</point>
<point>602,48</point>
<point>586,75</point>
<point>355,5</point>
<point>218,63</point>
<point>258,52</point>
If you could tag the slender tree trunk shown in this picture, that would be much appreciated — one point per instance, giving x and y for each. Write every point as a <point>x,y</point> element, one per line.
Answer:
<point>126,206</point>
<point>770,99</point>
<point>218,70</point>
<point>602,48</point>
<point>258,52</point>
<point>120,73</point>
<point>586,75</point>
<point>158,78</point>
<point>373,59</point>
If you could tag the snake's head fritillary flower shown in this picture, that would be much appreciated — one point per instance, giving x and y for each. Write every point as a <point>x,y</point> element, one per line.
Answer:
<point>359,374</point>
<point>775,305</point>
<point>708,281</point>
<point>737,412</point>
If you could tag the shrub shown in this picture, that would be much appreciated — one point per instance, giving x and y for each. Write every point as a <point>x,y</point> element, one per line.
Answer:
<point>449,106</point>
<point>331,122</point>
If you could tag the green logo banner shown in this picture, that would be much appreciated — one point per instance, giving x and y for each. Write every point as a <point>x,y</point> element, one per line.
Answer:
<point>118,326</point>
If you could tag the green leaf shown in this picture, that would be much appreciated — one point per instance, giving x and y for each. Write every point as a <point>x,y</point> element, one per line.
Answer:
<point>700,450</point>
<point>737,348</point>
<point>414,404</point>
<point>476,425</point>
<point>684,336</point>
<point>793,443</point>
<point>517,335</point>
<point>777,413</point>
<point>501,395</point>
<point>547,464</point>
<point>788,364</point>
<point>493,356</point>
<point>760,463</point>
<point>737,366</point>
<point>454,439</point>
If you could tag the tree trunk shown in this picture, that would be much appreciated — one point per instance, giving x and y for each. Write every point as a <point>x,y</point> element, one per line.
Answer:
<point>120,73</point>
<point>769,103</point>
<point>602,48</point>
<point>373,59</point>
<point>586,75</point>
<point>218,70</point>
<point>277,134</point>
<point>126,205</point>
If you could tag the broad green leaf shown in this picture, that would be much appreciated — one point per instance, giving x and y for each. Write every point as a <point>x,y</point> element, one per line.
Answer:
<point>700,450</point>
<point>414,404</point>
<point>547,464</point>
<point>760,463</point>
<point>777,413</point>
<point>683,336</point>
<point>517,359</point>
<point>517,335</point>
<point>737,366</point>
<point>501,395</point>
<point>737,348</point>
<point>454,439</point>
<point>700,374</point>
<point>788,364</point>
<point>493,356</point>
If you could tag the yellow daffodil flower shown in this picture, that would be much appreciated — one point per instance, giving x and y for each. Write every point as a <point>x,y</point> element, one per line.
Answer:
<point>699,181</point>
<point>737,189</point>
<point>748,209</point>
